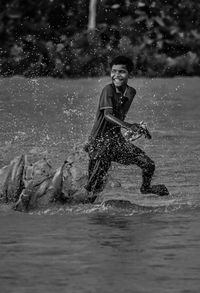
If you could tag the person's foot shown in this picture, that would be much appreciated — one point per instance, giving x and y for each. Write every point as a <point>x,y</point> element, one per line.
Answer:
<point>159,189</point>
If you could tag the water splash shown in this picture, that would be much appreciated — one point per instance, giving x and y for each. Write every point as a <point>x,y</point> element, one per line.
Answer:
<point>115,209</point>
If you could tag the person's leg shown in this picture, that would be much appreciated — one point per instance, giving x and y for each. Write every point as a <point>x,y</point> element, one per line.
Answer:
<point>133,155</point>
<point>127,153</point>
<point>98,169</point>
<point>148,168</point>
<point>96,180</point>
<point>99,163</point>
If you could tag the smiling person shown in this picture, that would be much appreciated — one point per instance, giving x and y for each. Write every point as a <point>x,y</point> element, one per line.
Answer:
<point>106,143</point>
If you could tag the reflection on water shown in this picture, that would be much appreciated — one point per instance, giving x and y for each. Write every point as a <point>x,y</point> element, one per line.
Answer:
<point>94,248</point>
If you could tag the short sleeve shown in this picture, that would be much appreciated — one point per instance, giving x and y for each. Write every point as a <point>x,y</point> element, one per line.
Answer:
<point>105,101</point>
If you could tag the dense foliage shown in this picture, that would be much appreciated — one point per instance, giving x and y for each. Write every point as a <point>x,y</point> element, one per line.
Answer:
<point>50,37</point>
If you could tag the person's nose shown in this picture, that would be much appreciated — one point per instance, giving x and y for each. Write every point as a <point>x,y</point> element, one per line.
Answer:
<point>117,74</point>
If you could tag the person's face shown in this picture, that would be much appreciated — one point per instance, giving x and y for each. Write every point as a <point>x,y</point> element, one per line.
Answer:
<point>119,75</point>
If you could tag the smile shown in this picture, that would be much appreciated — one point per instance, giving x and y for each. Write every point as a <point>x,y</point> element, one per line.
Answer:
<point>117,79</point>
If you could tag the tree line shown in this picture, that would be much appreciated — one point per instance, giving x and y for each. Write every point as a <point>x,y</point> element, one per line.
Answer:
<point>66,38</point>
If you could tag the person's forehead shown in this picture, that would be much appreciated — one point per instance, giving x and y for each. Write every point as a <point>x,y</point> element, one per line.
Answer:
<point>119,67</point>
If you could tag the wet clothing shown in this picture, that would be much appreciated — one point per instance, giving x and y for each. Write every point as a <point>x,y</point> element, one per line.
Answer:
<point>118,106</point>
<point>104,151</point>
<point>106,143</point>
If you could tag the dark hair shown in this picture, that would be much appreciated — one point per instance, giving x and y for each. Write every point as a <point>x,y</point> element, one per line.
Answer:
<point>123,60</point>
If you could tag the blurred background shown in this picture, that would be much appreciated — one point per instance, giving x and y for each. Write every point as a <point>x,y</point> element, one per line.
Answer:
<point>66,38</point>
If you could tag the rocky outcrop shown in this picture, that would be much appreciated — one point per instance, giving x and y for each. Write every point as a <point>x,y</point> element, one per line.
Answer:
<point>28,185</point>
<point>12,179</point>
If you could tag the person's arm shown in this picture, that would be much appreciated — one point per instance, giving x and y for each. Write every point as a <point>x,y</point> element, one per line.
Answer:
<point>111,118</point>
<point>106,105</point>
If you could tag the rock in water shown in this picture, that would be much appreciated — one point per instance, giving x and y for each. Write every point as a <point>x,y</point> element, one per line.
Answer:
<point>55,190</point>
<point>14,183</point>
<point>3,175</point>
<point>38,170</point>
<point>75,174</point>
<point>32,193</point>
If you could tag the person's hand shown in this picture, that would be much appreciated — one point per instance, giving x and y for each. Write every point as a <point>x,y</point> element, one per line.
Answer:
<point>144,130</point>
<point>140,129</point>
<point>136,127</point>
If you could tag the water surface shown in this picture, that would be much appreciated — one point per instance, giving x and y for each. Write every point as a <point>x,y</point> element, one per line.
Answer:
<point>93,248</point>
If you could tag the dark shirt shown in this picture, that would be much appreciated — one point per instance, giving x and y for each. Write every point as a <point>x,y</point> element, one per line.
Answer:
<point>118,106</point>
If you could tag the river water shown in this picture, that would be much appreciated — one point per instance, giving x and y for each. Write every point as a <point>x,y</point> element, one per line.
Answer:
<point>90,248</point>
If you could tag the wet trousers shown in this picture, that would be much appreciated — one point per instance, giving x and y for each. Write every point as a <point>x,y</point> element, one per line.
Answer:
<point>104,151</point>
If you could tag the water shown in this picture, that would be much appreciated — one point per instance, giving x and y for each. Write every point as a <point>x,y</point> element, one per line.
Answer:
<point>100,252</point>
<point>92,248</point>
